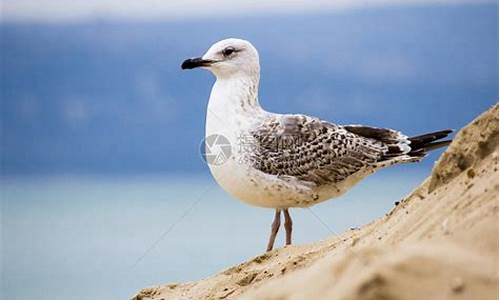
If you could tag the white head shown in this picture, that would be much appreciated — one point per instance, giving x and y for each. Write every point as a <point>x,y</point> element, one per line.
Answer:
<point>228,58</point>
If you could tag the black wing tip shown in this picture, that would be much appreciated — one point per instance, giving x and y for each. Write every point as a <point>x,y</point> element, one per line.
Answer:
<point>431,136</point>
<point>422,144</point>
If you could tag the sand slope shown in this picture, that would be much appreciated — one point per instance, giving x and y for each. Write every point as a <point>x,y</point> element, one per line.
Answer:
<point>440,242</point>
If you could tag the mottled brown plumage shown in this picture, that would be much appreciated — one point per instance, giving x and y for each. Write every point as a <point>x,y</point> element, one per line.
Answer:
<point>324,153</point>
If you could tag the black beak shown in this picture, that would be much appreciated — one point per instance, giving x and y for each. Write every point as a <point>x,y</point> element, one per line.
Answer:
<point>195,63</point>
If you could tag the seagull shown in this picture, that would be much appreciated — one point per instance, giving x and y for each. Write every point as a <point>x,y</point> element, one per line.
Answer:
<point>284,161</point>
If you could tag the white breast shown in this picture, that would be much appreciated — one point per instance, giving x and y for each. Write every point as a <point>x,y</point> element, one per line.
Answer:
<point>229,117</point>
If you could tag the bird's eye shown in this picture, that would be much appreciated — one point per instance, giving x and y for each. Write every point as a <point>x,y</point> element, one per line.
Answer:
<point>228,51</point>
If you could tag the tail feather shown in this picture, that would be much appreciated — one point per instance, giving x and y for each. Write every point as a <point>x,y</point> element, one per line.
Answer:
<point>401,145</point>
<point>422,144</point>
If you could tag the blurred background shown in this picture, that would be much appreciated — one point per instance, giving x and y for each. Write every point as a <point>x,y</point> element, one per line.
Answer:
<point>103,191</point>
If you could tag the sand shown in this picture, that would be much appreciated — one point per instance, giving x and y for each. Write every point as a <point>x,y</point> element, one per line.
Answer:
<point>440,242</point>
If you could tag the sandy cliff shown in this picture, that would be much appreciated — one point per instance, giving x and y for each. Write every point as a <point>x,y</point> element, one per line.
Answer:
<point>440,242</point>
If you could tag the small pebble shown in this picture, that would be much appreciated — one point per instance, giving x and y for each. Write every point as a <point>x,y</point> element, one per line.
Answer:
<point>457,285</point>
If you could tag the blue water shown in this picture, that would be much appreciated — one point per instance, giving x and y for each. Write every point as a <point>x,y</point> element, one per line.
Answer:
<point>77,237</point>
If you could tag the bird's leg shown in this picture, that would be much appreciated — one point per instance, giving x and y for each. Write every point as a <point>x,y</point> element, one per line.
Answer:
<point>288,227</point>
<point>274,229</point>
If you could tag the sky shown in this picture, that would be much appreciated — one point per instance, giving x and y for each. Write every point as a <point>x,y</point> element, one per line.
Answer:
<point>100,96</point>
<point>81,10</point>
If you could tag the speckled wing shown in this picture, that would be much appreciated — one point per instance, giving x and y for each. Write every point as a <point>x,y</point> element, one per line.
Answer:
<point>317,151</point>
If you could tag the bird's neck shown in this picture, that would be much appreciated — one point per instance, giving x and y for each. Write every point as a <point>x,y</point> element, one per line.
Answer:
<point>238,93</point>
<point>233,103</point>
